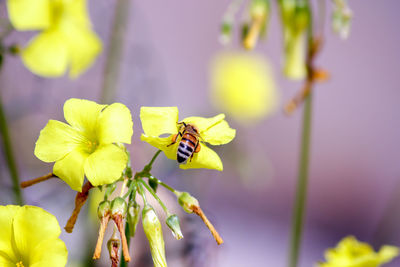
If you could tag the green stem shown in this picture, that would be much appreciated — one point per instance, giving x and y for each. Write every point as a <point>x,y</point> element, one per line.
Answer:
<point>301,192</point>
<point>164,184</point>
<point>115,49</point>
<point>299,209</point>
<point>155,197</point>
<point>12,167</point>
<point>148,167</point>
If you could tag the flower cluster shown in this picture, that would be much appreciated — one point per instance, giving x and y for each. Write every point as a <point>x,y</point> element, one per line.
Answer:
<point>295,18</point>
<point>91,145</point>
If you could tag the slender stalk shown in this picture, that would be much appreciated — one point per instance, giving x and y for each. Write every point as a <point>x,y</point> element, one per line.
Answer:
<point>301,193</point>
<point>155,197</point>
<point>115,49</point>
<point>164,184</point>
<point>299,210</point>
<point>148,167</point>
<point>11,164</point>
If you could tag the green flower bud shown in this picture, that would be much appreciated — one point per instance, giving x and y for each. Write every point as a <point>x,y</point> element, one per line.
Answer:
<point>103,209</point>
<point>153,231</point>
<point>173,224</point>
<point>153,183</point>
<point>226,31</point>
<point>295,17</point>
<point>341,18</point>
<point>118,207</point>
<point>133,217</point>
<point>187,201</point>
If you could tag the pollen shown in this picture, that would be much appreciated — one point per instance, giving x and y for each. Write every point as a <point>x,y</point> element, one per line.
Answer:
<point>19,264</point>
<point>91,146</point>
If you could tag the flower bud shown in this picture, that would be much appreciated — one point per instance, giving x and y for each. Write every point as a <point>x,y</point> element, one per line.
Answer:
<point>173,224</point>
<point>259,12</point>
<point>118,213</point>
<point>295,17</point>
<point>103,212</point>
<point>113,248</point>
<point>118,207</point>
<point>225,36</point>
<point>187,201</point>
<point>133,217</point>
<point>153,231</point>
<point>341,18</point>
<point>103,209</point>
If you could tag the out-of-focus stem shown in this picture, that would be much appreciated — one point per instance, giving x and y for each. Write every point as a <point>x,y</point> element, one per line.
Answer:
<point>12,167</point>
<point>114,53</point>
<point>299,209</point>
<point>301,191</point>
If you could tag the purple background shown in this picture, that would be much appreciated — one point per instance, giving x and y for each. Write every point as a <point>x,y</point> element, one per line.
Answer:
<point>355,160</point>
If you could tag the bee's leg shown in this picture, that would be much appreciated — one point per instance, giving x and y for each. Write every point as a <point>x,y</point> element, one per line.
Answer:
<point>174,137</point>
<point>197,148</point>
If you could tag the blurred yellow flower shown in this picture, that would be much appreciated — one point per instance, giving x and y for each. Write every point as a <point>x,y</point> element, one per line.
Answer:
<point>87,146</point>
<point>243,86</point>
<point>157,121</point>
<point>352,253</point>
<point>66,38</point>
<point>29,237</point>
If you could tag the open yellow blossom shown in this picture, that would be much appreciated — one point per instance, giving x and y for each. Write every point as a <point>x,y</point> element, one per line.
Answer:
<point>352,253</point>
<point>242,85</point>
<point>157,121</point>
<point>88,145</point>
<point>66,38</point>
<point>29,237</point>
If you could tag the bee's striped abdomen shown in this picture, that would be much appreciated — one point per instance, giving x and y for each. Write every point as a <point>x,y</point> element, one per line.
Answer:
<point>186,147</point>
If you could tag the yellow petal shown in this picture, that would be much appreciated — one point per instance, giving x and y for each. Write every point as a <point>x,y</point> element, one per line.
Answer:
<point>387,253</point>
<point>33,225</point>
<point>7,214</point>
<point>51,252</point>
<point>204,124</point>
<point>29,15</point>
<point>46,54</point>
<point>105,165</point>
<point>162,144</point>
<point>56,140</point>
<point>215,130</point>
<point>205,158</point>
<point>83,48</point>
<point>219,134</point>
<point>159,120</point>
<point>5,261</point>
<point>115,125</point>
<point>83,114</point>
<point>75,11</point>
<point>71,169</point>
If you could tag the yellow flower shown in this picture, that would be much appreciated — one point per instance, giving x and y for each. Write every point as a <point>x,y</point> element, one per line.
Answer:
<point>87,146</point>
<point>29,237</point>
<point>157,121</point>
<point>352,253</point>
<point>243,86</point>
<point>66,38</point>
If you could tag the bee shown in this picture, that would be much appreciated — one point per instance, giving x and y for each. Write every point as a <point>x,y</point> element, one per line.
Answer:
<point>189,143</point>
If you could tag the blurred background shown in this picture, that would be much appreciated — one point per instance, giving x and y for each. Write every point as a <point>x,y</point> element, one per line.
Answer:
<point>168,54</point>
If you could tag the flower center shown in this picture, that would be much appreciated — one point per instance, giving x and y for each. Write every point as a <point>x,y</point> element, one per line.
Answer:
<point>19,264</point>
<point>91,146</point>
